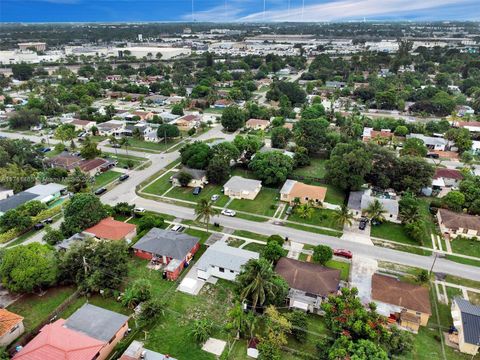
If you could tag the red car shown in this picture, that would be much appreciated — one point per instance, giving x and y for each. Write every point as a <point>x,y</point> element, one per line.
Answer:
<point>343,253</point>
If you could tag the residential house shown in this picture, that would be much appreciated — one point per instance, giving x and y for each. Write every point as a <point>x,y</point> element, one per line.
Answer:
<point>44,193</point>
<point>5,193</point>
<point>137,351</point>
<point>257,124</point>
<point>223,261</point>
<point>472,126</point>
<point>143,115</point>
<point>11,327</point>
<point>82,125</point>
<point>170,249</point>
<point>240,188</point>
<point>91,333</point>
<point>168,117</point>
<point>405,303</point>
<point>112,127</point>
<point>64,160</point>
<point>110,229</point>
<point>432,143</point>
<point>95,166</point>
<point>359,201</point>
<point>143,129</point>
<point>446,178</point>
<point>65,244</point>
<point>465,110</point>
<point>335,84</point>
<point>222,103</point>
<point>198,177</point>
<point>309,283</point>
<point>293,189</point>
<point>382,135</point>
<point>188,122</point>
<point>454,224</point>
<point>157,99</point>
<point>151,136</point>
<point>466,320</point>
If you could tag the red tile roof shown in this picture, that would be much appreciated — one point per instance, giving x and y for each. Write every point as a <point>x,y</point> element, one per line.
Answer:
<point>55,342</point>
<point>111,229</point>
<point>448,173</point>
<point>468,123</point>
<point>88,165</point>
<point>8,320</point>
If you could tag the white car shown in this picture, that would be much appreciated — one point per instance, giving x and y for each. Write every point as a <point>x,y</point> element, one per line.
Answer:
<point>227,212</point>
<point>215,197</point>
<point>139,210</point>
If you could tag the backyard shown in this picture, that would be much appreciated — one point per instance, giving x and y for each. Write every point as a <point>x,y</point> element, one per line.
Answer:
<point>316,169</point>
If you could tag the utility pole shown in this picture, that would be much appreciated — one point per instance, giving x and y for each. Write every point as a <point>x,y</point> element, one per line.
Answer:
<point>433,264</point>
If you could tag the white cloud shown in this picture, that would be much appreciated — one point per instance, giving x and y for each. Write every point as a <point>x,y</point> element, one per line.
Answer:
<point>352,9</point>
<point>226,12</point>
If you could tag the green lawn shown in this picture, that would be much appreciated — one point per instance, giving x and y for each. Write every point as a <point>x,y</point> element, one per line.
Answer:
<point>314,230</point>
<point>264,203</point>
<point>186,193</point>
<point>316,169</point>
<point>334,195</point>
<point>320,217</point>
<point>160,185</point>
<point>136,144</point>
<point>394,232</point>
<point>235,242</point>
<point>250,235</point>
<point>203,235</point>
<point>254,247</point>
<point>466,247</point>
<point>105,178</point>
<point>122,159</point>
<point>343,266</point>
<point>35,309</point>
<point>245,173</point>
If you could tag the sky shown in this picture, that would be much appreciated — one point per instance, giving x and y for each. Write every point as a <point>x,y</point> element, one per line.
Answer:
<point>236,10</point>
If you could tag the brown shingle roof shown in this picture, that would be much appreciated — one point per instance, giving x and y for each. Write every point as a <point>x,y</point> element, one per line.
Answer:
<point>453,220</point>
<point>8,320</point>
<point>392,291</point>
<point>308,277</point>
<point>88,165</point>
<point>448,173</point>
<point>254,122</point>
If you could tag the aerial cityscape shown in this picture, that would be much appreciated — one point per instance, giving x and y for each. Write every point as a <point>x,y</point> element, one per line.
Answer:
<point>239,179</point>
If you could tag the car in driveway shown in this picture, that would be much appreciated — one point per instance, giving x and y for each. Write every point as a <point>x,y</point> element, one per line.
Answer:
<point>123,177</point>
<point>289,210</point>
<point>228,212</point>
<point>343,253</point>
<point>362,225</point>
<point>215,197</point>
<point>197,190</point>
<point>100,191</point>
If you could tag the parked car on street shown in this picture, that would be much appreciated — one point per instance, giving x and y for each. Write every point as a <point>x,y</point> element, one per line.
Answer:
<point>343,253</point>
<point>100,191</point>
<point>215,197</point>
<point>47,221</point>
<point>38,226</point>
<point>123,177</point>
<point>228,212</point>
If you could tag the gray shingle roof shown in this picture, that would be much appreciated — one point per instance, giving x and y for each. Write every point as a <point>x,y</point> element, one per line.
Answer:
<point>222,255</point>
<point>355,200</point>
<point>166,243</point>
<point>238,183</point>
<point>470,321</point>
<point>16,200</point>
<point>194,173</point>
<point>428,140</point>
<point>96,322</point>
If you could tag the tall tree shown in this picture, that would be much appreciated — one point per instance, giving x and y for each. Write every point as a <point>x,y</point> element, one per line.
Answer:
<point>376,211</point>
<point>343,216</point>
<point>205,210</point>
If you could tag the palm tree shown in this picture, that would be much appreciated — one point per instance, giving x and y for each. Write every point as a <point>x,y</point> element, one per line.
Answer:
<point>257,282</point>
<point>305,211</point>
<point>125,142</point>
<point>343,216</point>
<point>205,210</point>
<point>113,141</point>
<point>375,211</point>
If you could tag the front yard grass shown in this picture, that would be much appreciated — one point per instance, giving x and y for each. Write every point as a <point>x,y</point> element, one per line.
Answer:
<point>159,186</point>
<point>320,217</point>
<point>186,193</point>
<point>394,232</point>
<point>123,159</point>
<point>466,247</point>
<point>254,247</point>
<point>314,229</point>
<point>343,266</point>
<point>136,144</point>
<point>250,235</point>
<point>105,178</point>
<point>264,204</point>
<point>35,309</point>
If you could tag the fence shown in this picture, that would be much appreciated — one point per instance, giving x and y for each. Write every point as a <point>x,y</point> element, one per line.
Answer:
<point>27,337</point>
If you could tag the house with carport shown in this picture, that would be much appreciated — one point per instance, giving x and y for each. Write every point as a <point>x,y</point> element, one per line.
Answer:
<point>238,187</point>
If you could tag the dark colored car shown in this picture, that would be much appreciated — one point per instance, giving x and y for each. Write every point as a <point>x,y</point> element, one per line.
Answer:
<point>343,253</point>
<point>47,221</point>
<point>100,191</point>
<point>38,226</point>
<point>117,146</point>
<point>433,156</point>
<point>45,150</point>
<point>197,190</point>
<point>124,177</point>
<point>363,224</point>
